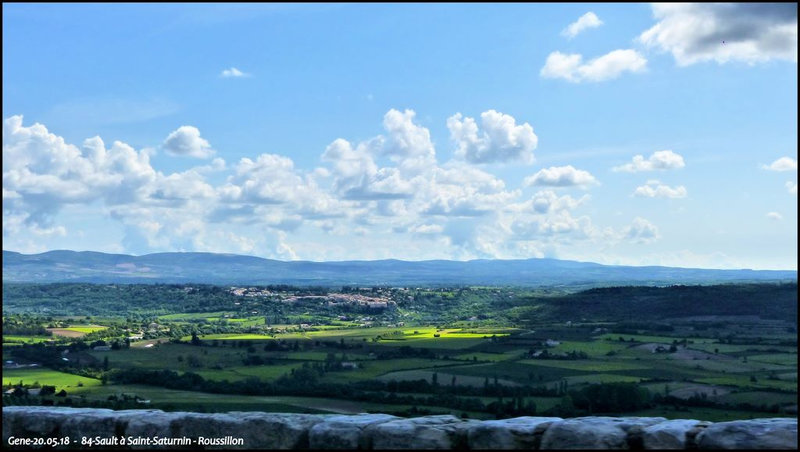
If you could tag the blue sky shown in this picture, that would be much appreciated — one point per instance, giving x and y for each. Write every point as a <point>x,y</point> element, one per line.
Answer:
<point>620,134</point>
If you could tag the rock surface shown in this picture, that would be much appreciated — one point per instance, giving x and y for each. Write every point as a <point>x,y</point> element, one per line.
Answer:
<point>518,433</point>
<point>674,434</point>
<point>775,433</point>
<point>256,430</point>
<point>345,432</point>
<point>428,432</point>
<point>594,432</point>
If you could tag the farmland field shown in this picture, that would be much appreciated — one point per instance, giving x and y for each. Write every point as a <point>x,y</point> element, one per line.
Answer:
<point>48,377</point>
<point>414,359</point>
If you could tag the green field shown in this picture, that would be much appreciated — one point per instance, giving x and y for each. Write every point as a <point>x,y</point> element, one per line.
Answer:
<point>759,397</point>
<point>591,348</point>
<point>493,357</point>
<point>27,339</point>
<point>587,365</point>
<point>60,380</point>
<point>85,329</point>
<point>783,359</point>
<point>444,377</point>
<point>372,369</point>
<point>239,373</point>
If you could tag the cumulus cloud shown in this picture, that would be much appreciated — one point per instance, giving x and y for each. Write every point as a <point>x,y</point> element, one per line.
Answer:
<point>570,67</point>
<point>641,231</point>
<point>774,216</point>
<point>654,189</point>
<point>791,187</point>
<point>659,160</point>
<point>782,164</point>
<point>462,191</point>
<point>723,32</point>
<point>560,223</point>
<point>404,137</point>
<point>586,21</point>
<point>501,139</point>
<point>186,140</point>
<point>41,172</point>
<point>561,176</point>
<point>233,73</point>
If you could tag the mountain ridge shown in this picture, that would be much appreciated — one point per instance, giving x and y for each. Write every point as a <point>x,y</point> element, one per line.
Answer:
<point>218,268</point>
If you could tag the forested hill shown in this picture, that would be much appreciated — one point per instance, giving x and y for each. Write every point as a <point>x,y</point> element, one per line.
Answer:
<point>72,266</point>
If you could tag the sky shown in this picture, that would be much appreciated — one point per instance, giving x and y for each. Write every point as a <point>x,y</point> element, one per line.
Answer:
<point>625,134</point>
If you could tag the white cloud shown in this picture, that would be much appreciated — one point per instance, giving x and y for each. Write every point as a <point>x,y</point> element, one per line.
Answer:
<point>791,187</point>
<point>586,21</point>
<point>606,67</point>
<point>186,140</point>
<point>659,160</point>
<point>782,164</point>
<point>654,189</point>
<point>501,140</point>
<point>233,73</point>
<point>406,139</point>
<point>559,65</point>
<point>747,32</point>
<point>547,201</point>
<point>561,176</point>
<point>181,187</point>
<point>462,191</point>
<point>774,216</point>
<point>641,231</point>
<point>560,223</point>
<point>41,172</point>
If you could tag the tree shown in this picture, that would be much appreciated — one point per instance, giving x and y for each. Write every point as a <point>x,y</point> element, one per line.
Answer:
<point>47,390</point>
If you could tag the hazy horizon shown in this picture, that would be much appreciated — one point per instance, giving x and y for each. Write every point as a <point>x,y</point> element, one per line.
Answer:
<point>392,259</point>
<point>605,133</point>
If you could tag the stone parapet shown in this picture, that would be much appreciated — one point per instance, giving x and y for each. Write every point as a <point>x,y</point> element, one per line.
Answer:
<point>39,427</point>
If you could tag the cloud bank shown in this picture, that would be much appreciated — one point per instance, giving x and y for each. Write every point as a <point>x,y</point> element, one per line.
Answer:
<point>388,189</point>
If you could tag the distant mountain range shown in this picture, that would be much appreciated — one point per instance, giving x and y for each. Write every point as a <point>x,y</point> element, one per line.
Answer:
<point>210,268</point>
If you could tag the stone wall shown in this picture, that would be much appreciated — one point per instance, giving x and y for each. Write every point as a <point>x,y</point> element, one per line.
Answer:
<point>40,427</point>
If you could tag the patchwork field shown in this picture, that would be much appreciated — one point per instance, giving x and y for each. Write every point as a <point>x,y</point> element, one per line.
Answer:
<point>76,331</point>
<point>474,352</point>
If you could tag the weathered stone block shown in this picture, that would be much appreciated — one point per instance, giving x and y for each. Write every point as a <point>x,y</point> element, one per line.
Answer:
<point>518,433</point>
<point>90,423</point>
<point>345,432</point>
<point>593,432</point>
<point>774,433</point>
<point>273,430</point>
<point>428,432</point>
<point>674,434</point>
<point>137,425</point>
